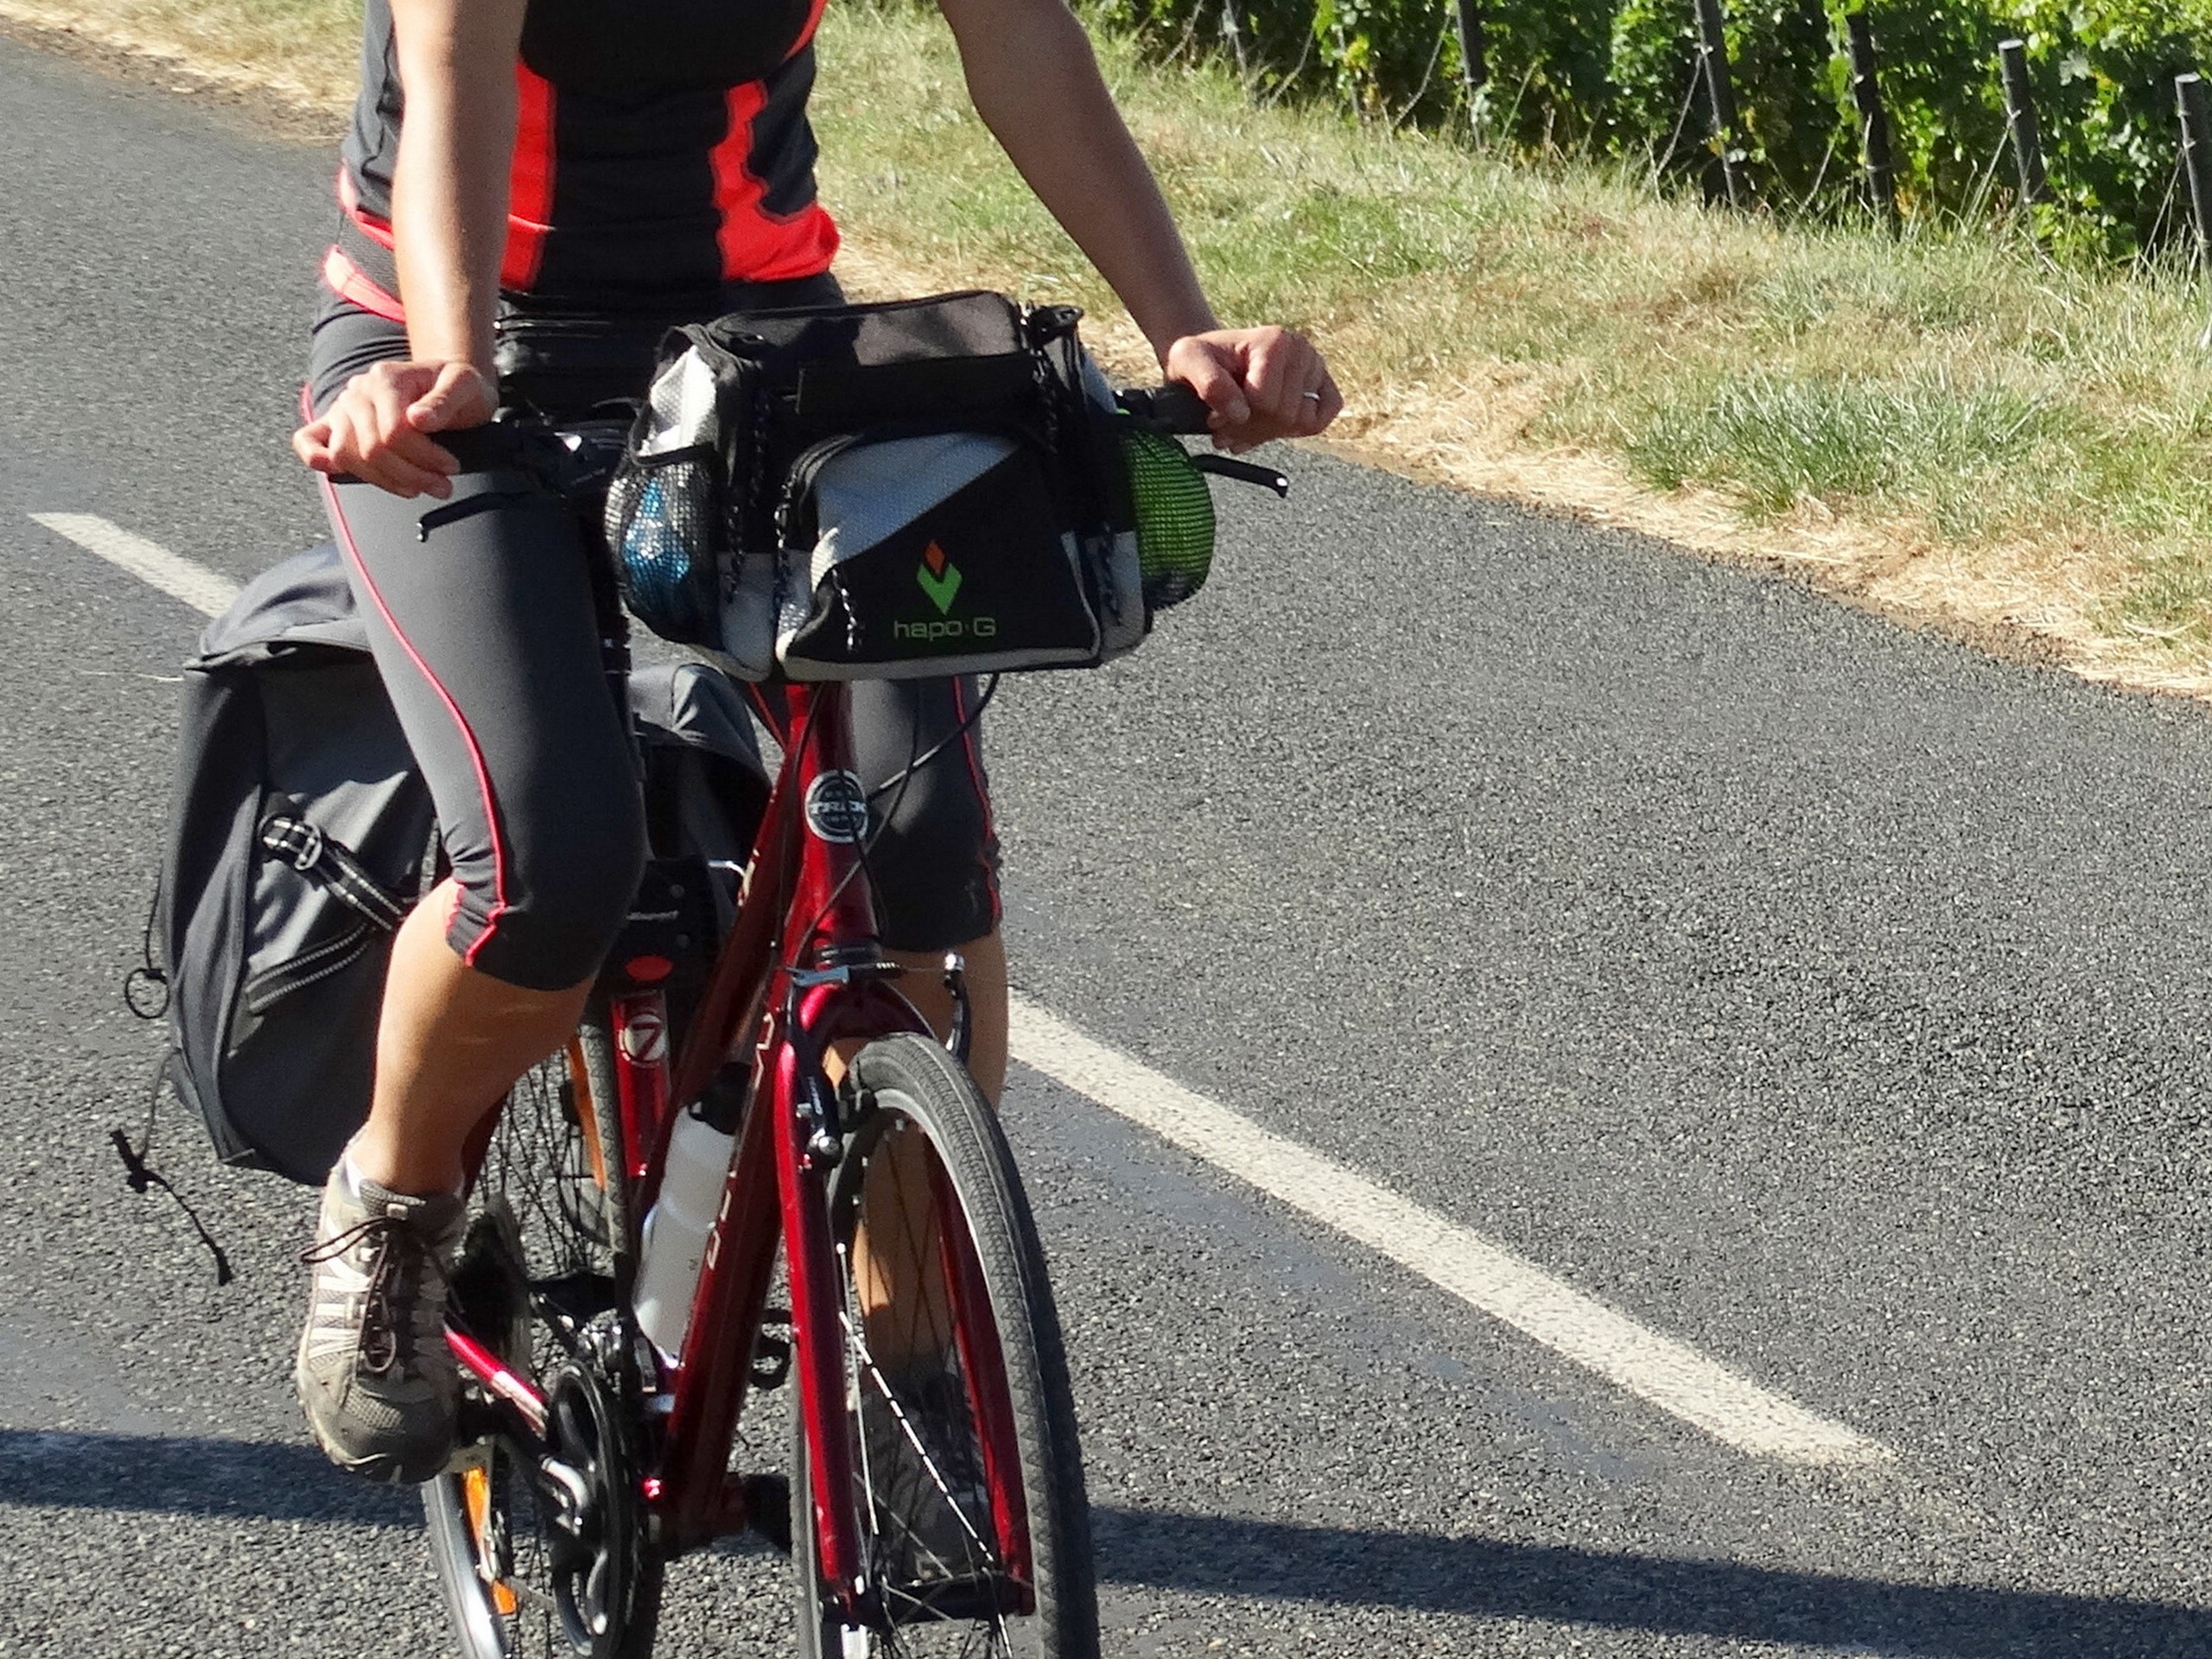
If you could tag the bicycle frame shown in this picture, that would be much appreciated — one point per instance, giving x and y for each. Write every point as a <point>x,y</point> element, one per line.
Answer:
<point>800,971</point>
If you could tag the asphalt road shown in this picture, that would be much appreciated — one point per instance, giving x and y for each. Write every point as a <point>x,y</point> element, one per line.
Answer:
<point>1824,996</point>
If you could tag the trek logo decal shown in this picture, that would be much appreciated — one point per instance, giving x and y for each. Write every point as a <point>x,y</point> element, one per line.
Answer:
<point>939,578</point>
<point>836,807</point>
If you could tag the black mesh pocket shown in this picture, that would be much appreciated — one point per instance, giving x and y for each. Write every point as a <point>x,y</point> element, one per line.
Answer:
<point>664,522</point>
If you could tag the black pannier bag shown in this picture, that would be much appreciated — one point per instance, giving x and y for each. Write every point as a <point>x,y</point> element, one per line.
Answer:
<point>299,835</point>
<point>291,767</point>
<point>916,488</point>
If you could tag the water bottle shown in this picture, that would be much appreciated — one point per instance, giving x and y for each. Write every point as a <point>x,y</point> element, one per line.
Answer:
<point>657,557</point>
<point>675,1229</point>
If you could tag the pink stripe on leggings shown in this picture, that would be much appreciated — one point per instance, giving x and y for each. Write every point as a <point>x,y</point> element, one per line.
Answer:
<point>468,737</point>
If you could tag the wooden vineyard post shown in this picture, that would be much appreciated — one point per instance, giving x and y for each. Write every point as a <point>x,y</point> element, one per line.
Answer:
<point>2196,107</point>
<point>1232,30</point>
<point>2195,103</point>
<point>1474,50</point>
<point>2020,117</point>
<point>1719,94</point>
<point>1873,119</point>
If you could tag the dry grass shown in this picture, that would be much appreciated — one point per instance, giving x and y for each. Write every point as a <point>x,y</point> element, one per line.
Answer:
<point>1946,428</point>
<point>304,51</point>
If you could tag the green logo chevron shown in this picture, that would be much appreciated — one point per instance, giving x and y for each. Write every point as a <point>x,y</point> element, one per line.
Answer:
<point>939,578</point>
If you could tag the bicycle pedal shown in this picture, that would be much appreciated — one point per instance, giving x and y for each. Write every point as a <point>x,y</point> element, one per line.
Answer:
<point>771,1362</point>
<point>768,1510</point>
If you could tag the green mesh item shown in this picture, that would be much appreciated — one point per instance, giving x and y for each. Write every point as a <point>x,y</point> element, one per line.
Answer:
<point>1174,514</point>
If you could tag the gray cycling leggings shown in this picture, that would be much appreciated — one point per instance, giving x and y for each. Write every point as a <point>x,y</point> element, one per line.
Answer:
<point>484,629</point>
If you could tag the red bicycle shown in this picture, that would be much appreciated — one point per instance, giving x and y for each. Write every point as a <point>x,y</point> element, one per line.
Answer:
<point>935,1502</point>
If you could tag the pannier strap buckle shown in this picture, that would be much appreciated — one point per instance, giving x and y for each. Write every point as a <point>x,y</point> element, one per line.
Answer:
<point>332,868</point>
<point>297,844</point>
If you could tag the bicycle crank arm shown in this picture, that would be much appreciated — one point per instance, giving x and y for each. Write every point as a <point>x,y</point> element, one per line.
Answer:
<point>492,1375</point>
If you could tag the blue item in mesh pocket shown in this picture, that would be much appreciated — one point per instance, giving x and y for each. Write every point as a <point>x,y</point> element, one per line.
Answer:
<point>660,524</point>
<point>1174,517</point>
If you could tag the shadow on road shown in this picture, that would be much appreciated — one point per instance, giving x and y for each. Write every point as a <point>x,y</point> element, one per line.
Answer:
<point>246,1479</point>
<point>1214,1555</point>
<point>1483,1577</point>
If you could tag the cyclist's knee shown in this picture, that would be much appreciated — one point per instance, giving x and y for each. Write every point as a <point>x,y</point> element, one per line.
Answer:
<point>553,908</point>
<point>931,850</point>
<point>935,862</point>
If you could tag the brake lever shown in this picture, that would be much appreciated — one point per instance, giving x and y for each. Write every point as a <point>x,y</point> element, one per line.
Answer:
<point>1244,472</point>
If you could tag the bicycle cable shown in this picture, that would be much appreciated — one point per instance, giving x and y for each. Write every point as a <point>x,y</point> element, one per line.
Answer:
<point>967,724</point>
<point>899,782</point>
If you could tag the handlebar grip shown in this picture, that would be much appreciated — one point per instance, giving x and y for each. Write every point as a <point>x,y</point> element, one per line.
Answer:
<point>1172,408</point>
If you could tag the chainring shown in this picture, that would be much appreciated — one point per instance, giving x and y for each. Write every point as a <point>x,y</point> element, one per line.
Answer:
<point>593,1521</point>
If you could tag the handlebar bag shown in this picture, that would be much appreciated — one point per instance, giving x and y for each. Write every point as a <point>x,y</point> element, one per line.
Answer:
<point>917,488</point>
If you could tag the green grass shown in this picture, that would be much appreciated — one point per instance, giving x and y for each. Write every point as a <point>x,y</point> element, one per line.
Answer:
<point>2040,433</point>
<point>1953,391</point>
<point>1778,441</point>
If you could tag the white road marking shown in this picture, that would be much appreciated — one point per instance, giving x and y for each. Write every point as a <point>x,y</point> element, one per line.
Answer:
<point>1485,1275</point>
<point>157,566</point>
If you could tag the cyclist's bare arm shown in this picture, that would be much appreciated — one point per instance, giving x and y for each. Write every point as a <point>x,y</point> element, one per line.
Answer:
<point>450,1039</point>
<point>1037,86</point>
<point>449,222</point>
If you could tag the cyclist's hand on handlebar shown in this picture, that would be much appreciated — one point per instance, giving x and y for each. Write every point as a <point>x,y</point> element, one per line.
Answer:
<point>378,428</point>
<point>1260,383</point>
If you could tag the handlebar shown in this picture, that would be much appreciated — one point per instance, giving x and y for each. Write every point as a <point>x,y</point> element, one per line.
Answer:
<point>1172,408</point>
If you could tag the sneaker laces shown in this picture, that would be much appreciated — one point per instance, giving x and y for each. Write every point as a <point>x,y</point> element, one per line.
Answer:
<point>392,1306</point>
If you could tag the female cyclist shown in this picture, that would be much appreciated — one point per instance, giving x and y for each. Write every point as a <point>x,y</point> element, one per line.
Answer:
<point>579,175</point>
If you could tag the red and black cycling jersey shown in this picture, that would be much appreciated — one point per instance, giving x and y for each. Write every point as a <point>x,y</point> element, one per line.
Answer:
<point>662,148</point>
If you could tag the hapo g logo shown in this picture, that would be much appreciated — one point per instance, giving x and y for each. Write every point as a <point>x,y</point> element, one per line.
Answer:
<point>938,577</point>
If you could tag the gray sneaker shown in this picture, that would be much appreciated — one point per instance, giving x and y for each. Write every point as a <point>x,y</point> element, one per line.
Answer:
<point>378,1382</point>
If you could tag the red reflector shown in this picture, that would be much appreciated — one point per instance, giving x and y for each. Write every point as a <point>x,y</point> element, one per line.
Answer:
<point>646,969</point>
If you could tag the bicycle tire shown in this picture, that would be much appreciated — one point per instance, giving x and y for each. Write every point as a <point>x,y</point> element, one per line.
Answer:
<point>909,1082</point>
<point>547,1235</point>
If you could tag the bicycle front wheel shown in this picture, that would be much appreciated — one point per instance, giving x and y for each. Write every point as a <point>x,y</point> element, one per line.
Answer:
<point>967,1478</point>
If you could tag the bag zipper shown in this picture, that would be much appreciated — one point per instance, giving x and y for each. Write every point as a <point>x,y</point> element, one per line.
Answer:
<point>272,985</point>
<point>798,483</point>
